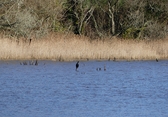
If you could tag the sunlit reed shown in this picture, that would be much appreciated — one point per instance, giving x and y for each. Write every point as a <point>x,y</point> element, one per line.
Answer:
<point>71,47</point>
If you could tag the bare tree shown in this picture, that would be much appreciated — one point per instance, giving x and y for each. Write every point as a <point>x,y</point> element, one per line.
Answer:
<point>29,18</point>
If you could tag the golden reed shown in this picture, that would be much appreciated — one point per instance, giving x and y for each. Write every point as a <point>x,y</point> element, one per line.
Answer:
<point>71,47</point>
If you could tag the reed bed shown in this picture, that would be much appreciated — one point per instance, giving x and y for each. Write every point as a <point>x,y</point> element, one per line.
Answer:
<point>71,47</point>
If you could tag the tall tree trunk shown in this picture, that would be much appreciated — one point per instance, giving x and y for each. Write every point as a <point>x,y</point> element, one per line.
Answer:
<point>111,15</point>
<point>112,21</point>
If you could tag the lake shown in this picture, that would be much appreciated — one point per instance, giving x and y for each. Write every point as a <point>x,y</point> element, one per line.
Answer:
<point>56,89</point>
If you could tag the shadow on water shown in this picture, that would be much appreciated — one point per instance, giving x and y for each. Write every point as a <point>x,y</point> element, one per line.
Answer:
<point>97,88</point>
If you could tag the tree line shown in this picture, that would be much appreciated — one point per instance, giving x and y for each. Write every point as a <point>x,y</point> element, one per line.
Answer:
<point>135,19</point>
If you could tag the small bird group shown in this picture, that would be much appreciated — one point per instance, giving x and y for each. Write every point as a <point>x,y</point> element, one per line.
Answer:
<point>30,63</point>
<point>99,69</point>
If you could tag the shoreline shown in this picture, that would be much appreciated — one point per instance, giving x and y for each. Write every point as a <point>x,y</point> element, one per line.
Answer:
<point>28,61</point>
<point>71,60</point>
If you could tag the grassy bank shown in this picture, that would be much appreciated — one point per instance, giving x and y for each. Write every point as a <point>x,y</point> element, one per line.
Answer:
<point>72,47</point>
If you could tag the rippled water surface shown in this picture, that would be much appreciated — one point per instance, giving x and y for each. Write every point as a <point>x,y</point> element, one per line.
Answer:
<point>56,89</point>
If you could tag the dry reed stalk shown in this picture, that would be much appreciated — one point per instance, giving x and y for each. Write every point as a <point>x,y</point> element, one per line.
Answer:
<point>71,47</point>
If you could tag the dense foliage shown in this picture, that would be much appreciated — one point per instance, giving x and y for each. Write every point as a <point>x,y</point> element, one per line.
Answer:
<point>138,19</point>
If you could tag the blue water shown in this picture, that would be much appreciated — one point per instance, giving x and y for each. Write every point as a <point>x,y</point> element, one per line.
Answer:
<point>56,89</point>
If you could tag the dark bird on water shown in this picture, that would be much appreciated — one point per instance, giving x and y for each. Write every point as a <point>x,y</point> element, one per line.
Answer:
<point>157,60</point>
<point>104,68</point>
<point>77,65</point>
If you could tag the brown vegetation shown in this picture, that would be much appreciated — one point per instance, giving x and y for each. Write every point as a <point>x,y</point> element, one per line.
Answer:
<point>72,47</point>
